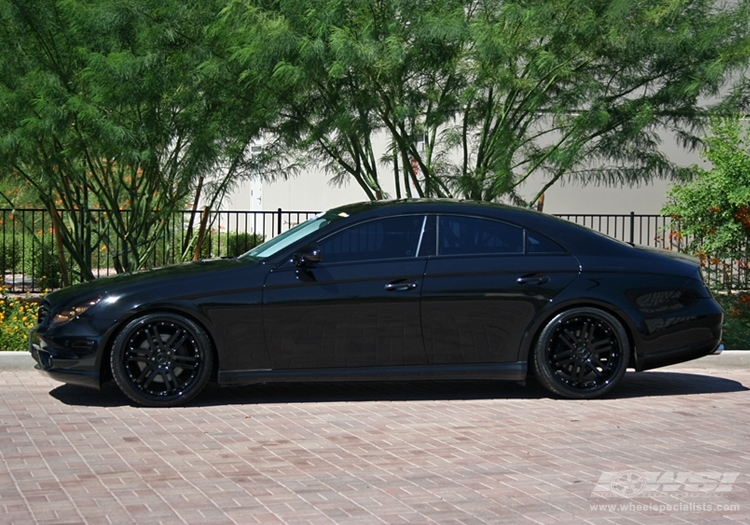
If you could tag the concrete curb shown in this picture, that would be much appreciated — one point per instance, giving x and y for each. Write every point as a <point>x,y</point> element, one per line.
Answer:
<point>728,359</point>
<point>16,361</point>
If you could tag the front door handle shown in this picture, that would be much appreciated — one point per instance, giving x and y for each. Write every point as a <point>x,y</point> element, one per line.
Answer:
<point>533,279</point>
<point>400,286</point>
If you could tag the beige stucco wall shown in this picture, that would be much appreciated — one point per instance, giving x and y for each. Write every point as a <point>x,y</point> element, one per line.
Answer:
<point>311,191</point>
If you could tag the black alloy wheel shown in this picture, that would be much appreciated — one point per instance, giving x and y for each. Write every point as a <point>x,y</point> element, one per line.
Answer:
<point>581,353</point>
<point>161,360</point>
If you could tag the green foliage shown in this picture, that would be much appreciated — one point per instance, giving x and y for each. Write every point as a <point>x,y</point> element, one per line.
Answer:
<point>223,244</point>
<point>11,253</point>
<point>239,243</point>
<point>15,195</point>
<point>711,213</point>
<point>28,250</point>
<point>713,210</point>
<point>142,107</point>
<point>104,104</point>
<point>17,317</point>
<point>736,320</point>
<point>475,97</point>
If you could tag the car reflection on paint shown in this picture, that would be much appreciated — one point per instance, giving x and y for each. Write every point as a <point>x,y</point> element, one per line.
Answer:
<point>415,289</point>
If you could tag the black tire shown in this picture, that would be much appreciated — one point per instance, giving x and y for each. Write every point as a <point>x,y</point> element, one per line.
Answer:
<point>581,353</point>
<point>161,360</point>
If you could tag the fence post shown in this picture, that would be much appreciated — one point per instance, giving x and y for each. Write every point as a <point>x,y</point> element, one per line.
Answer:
<point>278,224</point>
<point>632,227</point>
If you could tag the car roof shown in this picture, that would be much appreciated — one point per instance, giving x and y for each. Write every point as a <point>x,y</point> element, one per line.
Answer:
<point>424,205</point>
<point>573,237</point>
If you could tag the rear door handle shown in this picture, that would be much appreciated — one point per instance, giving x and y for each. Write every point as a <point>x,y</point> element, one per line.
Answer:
<point>533,279</point>
<point>400,286</point>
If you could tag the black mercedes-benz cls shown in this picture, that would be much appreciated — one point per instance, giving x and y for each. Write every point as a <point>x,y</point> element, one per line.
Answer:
<point>411,289</point>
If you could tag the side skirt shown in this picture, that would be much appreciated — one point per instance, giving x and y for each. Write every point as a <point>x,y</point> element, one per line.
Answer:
<point>516,371</point>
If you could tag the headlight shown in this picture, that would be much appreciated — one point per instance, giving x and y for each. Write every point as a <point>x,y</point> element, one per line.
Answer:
<point>73,312</point>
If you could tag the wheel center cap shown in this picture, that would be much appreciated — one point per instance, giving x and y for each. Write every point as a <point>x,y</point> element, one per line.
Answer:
<point>582,351</point>
<point>162,358</point>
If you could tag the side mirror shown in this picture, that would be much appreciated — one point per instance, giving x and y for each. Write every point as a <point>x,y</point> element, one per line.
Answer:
<point>308,256</point>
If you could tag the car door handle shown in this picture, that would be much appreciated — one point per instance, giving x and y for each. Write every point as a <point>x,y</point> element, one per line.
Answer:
<point>533,279</point>
<point>400,286</point>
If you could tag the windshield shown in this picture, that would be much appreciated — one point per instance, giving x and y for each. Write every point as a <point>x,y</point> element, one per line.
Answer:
<point>293,235</point>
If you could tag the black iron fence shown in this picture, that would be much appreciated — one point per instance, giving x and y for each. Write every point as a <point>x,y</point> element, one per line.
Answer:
<point>646,230</point>
<point>30,263</point>
<point>658,231</point>
<point>29,258</point>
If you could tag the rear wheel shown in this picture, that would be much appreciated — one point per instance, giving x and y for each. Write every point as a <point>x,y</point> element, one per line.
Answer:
<point>581,353</point>
<point>161,360</point>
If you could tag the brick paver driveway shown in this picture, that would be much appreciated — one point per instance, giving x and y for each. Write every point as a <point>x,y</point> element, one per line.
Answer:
<point>668,447</point>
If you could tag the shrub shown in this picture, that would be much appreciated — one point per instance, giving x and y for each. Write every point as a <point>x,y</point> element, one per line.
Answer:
<point>239,243</point>
<point>42,264</point>
<point>711,211</point>
<point>10,253</point>
<point>17,316</point>
<point>736,320</point>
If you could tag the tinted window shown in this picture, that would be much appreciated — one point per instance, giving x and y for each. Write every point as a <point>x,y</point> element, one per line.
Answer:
<point>280,242</point>
<point>536,243</point>
<point>469,235</point>
<point>390,238</point>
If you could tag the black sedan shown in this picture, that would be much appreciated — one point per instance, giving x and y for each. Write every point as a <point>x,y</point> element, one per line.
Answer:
<point>415,289</point>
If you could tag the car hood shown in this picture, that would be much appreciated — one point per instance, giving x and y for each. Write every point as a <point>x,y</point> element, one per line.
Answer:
<point>152,279</point>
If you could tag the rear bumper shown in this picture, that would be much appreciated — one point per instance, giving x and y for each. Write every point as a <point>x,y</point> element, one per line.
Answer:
<point>683,339</point>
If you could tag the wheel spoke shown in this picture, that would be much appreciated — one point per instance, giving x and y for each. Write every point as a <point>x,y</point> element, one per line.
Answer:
<point>154,339</point>
<point>586,332</point>
<point>568,339</point>
<point>144,373</point>
<point>593,368</point>
<point>170,382</point>
<point>144,381</point>
<point>176,346</point>
<point>603,345</point>
<point>579,373</point>
<point>186,362</point>
<point>138,357</point>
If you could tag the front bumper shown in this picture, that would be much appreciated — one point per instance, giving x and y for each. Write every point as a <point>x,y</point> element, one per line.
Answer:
<point>71,362</point>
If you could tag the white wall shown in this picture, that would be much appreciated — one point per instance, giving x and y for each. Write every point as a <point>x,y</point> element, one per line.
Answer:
<point>311,191</point>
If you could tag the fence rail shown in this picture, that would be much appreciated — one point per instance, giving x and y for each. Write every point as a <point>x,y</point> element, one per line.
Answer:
<point>645,230</point>
<point>29,256</point>
<point>29,260</point>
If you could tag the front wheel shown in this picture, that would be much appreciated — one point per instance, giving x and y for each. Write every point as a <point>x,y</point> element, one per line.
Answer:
<point>161,360</point>
<point>581,353</point>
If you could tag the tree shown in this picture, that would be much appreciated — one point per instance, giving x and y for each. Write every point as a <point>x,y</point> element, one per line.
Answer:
<point>476,96</point>
<point>104,104</point>
<point>712,212</point>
